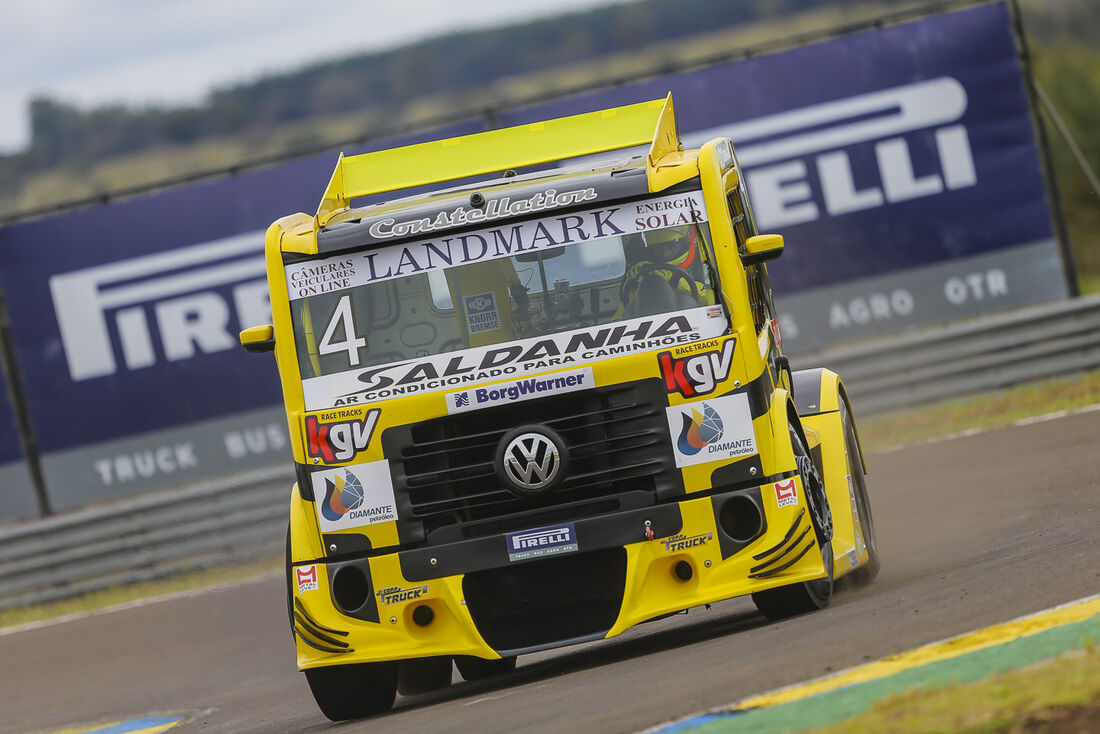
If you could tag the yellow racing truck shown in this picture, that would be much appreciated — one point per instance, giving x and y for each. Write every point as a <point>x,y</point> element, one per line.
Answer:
<point>543,407</point>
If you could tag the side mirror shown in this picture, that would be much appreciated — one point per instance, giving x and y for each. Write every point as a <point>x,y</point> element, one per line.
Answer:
<point>762,248</point>
<point>258,338</point>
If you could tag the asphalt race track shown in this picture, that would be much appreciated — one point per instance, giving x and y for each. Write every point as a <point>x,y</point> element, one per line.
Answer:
<point>972,531</point>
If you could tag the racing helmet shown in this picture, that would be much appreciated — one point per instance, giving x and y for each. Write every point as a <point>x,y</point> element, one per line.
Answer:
<point>671,245</point>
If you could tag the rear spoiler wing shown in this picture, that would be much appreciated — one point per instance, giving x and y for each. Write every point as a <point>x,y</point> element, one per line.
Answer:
<point>652,122</point>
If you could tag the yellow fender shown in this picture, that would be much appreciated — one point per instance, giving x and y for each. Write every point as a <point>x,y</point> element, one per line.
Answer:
<point>818,397</point>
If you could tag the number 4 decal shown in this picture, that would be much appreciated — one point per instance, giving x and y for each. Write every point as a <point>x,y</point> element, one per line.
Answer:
<point>351,343</point>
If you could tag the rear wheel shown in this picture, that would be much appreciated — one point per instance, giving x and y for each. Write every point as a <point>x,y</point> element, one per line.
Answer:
<point>806,596</point>
<point>472,668</point>
<point>421,675</point>
<point>867,572</point>
<point>344,692</point>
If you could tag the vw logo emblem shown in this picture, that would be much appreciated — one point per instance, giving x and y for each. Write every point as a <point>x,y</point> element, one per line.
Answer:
<point>531,461</point>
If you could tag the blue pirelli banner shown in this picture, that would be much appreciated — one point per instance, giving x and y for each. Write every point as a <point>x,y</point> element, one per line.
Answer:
<point>900,164</point>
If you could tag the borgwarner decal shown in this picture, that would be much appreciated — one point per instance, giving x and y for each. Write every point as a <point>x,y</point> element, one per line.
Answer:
<point>711,430</point>
<point>515,391</point>
<point>395,261</point>
<point>354,496</point>
<point>485,364</point>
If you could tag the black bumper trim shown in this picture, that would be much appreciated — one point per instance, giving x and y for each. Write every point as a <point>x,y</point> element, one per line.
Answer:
<point>322,648</point>
<point>593,533</point>
<point>785,566</point>
<point>552,645</point>
<point>790,533</point>
<point>318,634</point>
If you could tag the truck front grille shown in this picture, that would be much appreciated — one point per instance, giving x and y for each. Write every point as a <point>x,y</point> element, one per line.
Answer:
<point>620,458</point>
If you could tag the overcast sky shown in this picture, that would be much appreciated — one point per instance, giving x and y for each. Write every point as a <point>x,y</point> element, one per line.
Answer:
<point>93,52</point>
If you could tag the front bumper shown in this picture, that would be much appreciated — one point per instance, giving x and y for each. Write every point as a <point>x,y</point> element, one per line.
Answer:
<point>469,598</point>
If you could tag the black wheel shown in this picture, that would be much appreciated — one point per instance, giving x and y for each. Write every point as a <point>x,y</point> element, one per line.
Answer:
<point>289,588</point>
<point>866,573</point>
<point>471,668</point>
<point>421,675</point>
<point>345,692</point>
<point>806,596</point>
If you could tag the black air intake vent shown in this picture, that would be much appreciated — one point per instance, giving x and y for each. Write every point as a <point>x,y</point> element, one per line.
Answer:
<point>620,457</point>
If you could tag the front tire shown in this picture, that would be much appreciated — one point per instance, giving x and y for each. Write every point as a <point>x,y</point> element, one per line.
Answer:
<point>345,692</point>
<point>805,596</point>
<point>422,675</point>
<point>472,668</point>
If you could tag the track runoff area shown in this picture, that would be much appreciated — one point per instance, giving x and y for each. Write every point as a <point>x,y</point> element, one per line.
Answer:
<point>847,693</point>
<point>961,659</point>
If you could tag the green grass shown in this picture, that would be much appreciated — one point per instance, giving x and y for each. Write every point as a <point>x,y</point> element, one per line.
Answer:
<point>190,581</point>
<point>990,410</point>
<point>1029,699</point>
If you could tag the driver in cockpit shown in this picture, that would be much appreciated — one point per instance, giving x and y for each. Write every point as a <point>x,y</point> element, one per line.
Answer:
<point>672,254</point>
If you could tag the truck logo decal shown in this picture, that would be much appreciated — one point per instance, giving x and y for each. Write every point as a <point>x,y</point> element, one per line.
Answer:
<point>341,441</point>
<point>532,461</point>
<point>682,542</point>
<point>698,374</point>
<point>395,594</point>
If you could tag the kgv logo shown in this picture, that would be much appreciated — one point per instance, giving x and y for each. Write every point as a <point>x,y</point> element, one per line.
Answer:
<point>168,298</point>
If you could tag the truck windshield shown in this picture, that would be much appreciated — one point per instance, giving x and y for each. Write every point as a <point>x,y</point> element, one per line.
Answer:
<point>513,283</point>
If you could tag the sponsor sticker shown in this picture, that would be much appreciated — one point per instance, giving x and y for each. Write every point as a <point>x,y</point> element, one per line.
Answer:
<point>306,577</point>
<point>786,493</point>
<point>395,594</point>
<point>683,542</point>
<point>711,430</point>
<point>480,365</point>
<point>481,313</point>
<point>505,240</point>
<point>515,391</point>
<point>354,496</point>
<point>540,542</point>
<point>340,440</point>
<point>696,374</point>
<point>853,559</point>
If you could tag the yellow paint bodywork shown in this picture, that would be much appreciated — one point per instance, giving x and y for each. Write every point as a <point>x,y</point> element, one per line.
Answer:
<point>652,588</point>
